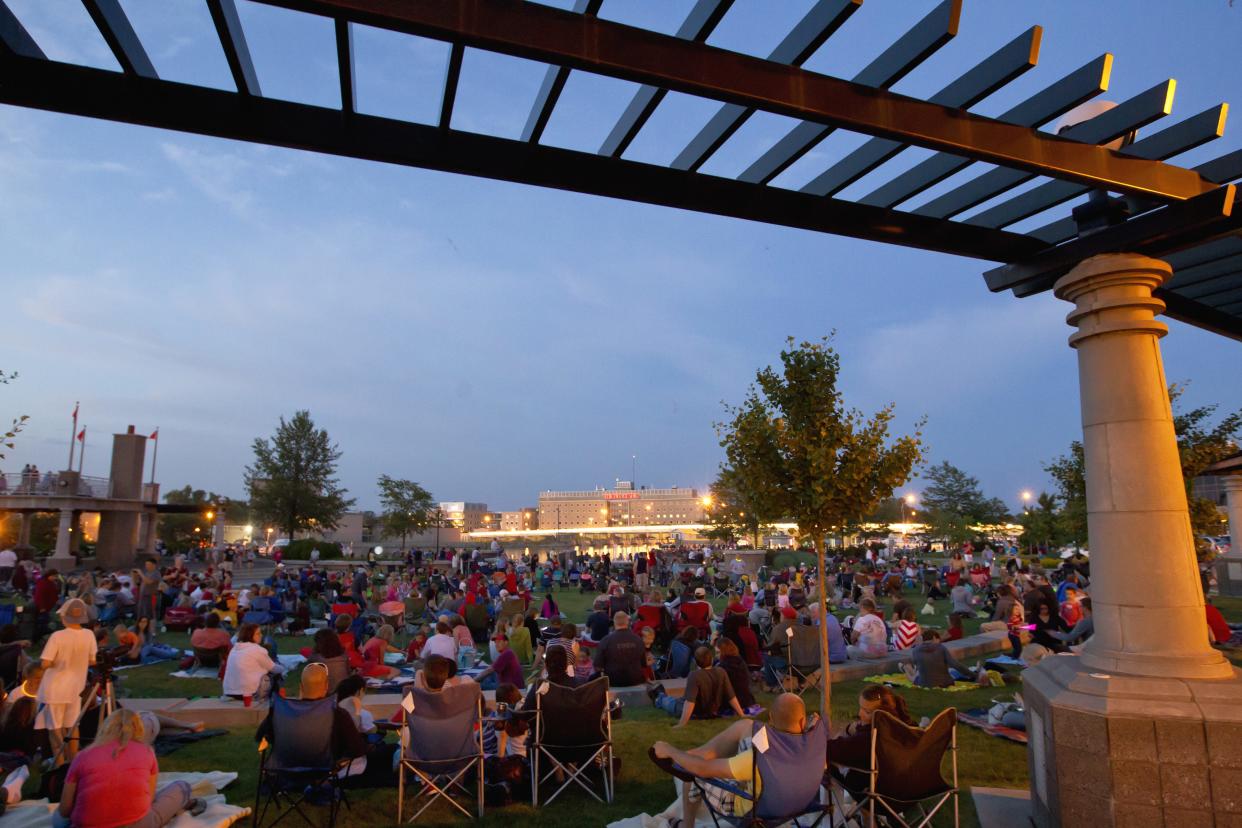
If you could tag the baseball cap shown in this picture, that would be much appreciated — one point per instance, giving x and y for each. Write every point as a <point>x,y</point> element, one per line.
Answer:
<point>699,592</point>
<point>789,612</point>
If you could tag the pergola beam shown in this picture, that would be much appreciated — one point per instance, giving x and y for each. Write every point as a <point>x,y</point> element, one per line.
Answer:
<point>98,93</point>
<point>345,65</point>
<point>120,36</point>
<point>233,41</point>
<point>14,37</point>
<point>553,84</point>
<point>550,35</point>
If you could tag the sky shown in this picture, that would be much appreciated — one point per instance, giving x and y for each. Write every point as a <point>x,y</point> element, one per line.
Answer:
<point>492,340</point>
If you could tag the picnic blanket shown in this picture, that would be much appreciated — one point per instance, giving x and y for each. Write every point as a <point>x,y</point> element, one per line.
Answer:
<point>978,717</point>
<point>37,813</point>
<point>167,743</point>
<point>902,680</point>
<point>289,662</point>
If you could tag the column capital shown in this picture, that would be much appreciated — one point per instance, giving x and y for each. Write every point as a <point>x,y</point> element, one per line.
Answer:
<point>1232,482</point>
<point>1112,294</point>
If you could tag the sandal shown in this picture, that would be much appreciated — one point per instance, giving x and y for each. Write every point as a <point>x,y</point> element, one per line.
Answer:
<point>196,806</point>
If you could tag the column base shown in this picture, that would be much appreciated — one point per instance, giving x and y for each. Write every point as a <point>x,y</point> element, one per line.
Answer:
<point>1114,750</point>
<point>1229,575</point>
<point>61,563</point>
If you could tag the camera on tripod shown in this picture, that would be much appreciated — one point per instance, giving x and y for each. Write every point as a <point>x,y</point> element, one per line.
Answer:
<point>106,661</point>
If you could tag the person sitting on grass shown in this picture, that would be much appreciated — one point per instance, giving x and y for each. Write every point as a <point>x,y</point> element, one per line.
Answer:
<point>708,691</point>
<point>504,734</point>
<point>17,733</point>
<point>1083,629</point>
<point>113,782</point>
<point>556,663</point>
<point>621,655</point>
<point>908,631</point>
<point>869,636</point>
<point>210,638</point>
<point>373,652</point>
<point>437,673</point>
<point>955,632</point>
<point>520,640</point>
<point>728,755</point>
<point>250,669</point>
<point>505,669</point>
<point>327,650</point>
<point>730,660</point>
<point>932,665</point>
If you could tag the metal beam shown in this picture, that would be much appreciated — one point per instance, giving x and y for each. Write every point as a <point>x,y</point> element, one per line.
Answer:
<point>1205,253</point>
<point>14,37</point>
<point>1222,170</point>
<point>233,41</point>
<point>697,26</point>
<point>1181,137</point>
<point>1189,277</point>
<point>1051,102</point>
<point>98,93</point>
<point>452,74</point>
<point>993,72</point>
<point>1176,227</point>
<point>120,36</point>
<point>1224,288</point>
<point>1108,126</point>
<point>915,46</point>
<point>553,84</point>
<point>819,24</point>
<point>1200,315</point>
<point>345,65</point>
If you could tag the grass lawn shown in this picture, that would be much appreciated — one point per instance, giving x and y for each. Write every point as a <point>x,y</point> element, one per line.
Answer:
<point>982,760</point>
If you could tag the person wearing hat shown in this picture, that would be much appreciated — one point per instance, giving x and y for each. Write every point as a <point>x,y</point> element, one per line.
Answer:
<point>696,613</point>
<point>504,669</point>
<point>66,657</point>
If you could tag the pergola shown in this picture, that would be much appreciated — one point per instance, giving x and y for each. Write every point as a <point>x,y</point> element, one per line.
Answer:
<point>1152,237</point>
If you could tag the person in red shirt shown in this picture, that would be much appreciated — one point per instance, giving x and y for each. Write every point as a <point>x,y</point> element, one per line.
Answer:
<point>46,596</point>
<point>1218,628</point>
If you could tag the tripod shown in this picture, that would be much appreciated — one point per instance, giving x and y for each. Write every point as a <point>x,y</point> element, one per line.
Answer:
<point>103,689</point>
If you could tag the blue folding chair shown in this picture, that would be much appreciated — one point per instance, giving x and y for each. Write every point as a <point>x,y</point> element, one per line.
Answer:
<point>790,768</point>
<point>298,768</point>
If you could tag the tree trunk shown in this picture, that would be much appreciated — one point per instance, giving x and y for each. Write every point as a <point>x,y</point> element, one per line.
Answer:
<point>825,678</point>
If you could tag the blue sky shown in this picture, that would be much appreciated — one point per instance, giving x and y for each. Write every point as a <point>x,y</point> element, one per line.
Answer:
<point>490,339</point>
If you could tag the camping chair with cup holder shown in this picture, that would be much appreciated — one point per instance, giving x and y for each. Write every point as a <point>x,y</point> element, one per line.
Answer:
<point>905,786</point>
<point>573,738</point>
<point>803,657</point>
<point>442,746</point>
<point>415,610</point>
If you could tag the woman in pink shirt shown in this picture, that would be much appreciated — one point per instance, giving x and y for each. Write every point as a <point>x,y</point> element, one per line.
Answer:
<point>112,783</point>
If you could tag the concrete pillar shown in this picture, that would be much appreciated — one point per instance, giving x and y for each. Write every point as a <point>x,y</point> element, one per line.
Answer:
<point>118,529</point>
<point>23,548</point>
<point>1143,727</point>
<point>62,559</point>
<point>1233,506</point>
<point>75,536</point>
<point>1145,595</point>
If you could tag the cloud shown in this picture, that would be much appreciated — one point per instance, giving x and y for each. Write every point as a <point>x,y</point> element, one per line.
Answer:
<point>217,175</point>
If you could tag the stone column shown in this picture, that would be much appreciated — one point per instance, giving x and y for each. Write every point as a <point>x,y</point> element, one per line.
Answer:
<point>1144,727</point>
<point>62,559</point>
<point>1233,506</point>
<point>23,548</point>
<point>1145,590</point>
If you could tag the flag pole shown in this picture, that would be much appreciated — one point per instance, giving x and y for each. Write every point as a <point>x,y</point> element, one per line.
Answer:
<point>73,435</point>
<point>82,453</point>
<point>155,453</point>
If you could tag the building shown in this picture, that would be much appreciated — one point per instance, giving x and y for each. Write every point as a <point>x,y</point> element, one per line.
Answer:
<point>522,520</point>
<point>623,505</point>
<point>469,516</point>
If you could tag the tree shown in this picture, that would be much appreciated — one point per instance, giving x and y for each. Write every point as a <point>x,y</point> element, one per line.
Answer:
<point>954,503</point>
<point>1199,445</point>
<point>177,530</point>
<point>293,480</point>
<point>1042,525</point>
<point>734,511</point>
<point>811,458</point>
<point>6,440</point>
<point>407,507</point>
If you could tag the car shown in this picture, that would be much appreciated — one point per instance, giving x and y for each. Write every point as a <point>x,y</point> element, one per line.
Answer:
<point>279,543</point>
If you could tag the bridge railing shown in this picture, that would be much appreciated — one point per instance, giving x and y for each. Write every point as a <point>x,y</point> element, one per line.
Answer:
<point>52,484</point>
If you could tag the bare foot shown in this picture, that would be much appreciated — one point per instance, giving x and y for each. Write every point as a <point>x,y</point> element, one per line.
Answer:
<point>197,727</point>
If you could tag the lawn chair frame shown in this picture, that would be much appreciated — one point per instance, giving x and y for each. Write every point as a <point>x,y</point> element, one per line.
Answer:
<point>538,750</point>
<point>438,786</point>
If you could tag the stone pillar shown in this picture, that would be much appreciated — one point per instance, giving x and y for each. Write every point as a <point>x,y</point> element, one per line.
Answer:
<point>75,534</point>
<point>23,548</point>
<point>1145,726</point>
<point>62,559</point>
<point>118,528</point>
<point>1233,506</point>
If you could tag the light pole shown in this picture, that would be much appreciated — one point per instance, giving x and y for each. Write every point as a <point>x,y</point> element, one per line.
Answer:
<point>1026,510</point>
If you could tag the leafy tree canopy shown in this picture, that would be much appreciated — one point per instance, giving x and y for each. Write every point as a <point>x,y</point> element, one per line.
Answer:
<point>407,506</point>
<point>954,502</point>
<point>292,482</point>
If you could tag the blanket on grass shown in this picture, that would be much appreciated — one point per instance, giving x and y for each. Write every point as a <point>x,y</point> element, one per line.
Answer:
<point>902,680</point>
<point>37,813</point>
<point>978,717</point>
<point>166,743</point>
<point>289,662</point>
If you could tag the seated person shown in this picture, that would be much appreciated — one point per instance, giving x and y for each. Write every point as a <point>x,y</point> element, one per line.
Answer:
<point>1047,624</point>
<point>327,650</point>
<point>442,643</point>
<point>621,655</point>
<point>869,637</point>
<point>599,623</point>
<point>373,652</point>
<point>17,733</point>
<point>728,756</point>
<point>680,659</point>
<point>437,673</point>
<point>250,668</point>
<point>556,662</point>
<point>932,665</point>
<point>211,639</point>
<point>505,669</point>
<point>1085,626</point>
<point>347,742</point>
<point>375,768</point>
<point>730,660</point>
<point>850,750</point>
<point>708,691</point>
<point>505,734</point>
<point>113,781</point>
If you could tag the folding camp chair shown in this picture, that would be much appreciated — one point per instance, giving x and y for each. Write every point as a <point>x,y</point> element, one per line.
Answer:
<point>905,772</point>
<point>415,610</point>
<point>298,765</point>
<point>791,768</point>
<point>573,733</point>
<point>260,612</point>
<point>720,585</point>
<point>477,622</point>
<point>803,656</point>
<point>442,744</point>
<point>511,607</point>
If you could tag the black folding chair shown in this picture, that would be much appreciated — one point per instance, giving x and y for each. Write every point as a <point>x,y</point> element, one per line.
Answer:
<point>804,657</point>
<point>298,766</point>
<point>573,733</point>
<point>906,786</point>
<point>791,769</point>
<point>442,744</point>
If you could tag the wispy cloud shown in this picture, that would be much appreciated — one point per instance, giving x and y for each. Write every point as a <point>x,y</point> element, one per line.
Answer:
<point>220,176</point>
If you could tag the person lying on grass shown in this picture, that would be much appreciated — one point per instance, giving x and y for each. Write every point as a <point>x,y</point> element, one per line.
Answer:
<point>728,756</point>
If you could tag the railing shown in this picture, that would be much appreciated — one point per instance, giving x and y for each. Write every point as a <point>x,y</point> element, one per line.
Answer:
<point>51,484</point>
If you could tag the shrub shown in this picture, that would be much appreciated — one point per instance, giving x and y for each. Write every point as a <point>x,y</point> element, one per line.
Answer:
<point>300,550</point>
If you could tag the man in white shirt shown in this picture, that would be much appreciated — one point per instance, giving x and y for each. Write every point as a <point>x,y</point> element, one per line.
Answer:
<point>442,643</point>
<point>8,562</point>
<point>870,636</point>
<point>66,657</point>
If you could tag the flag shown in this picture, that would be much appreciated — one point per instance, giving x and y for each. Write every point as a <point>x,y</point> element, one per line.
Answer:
<point>75,411</point>
<point>82,435</point>
<point>155,435</point>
